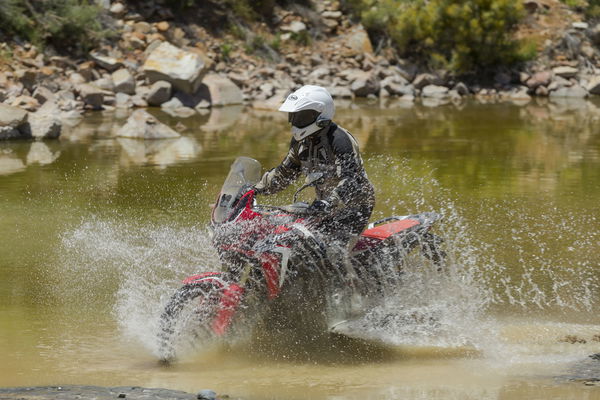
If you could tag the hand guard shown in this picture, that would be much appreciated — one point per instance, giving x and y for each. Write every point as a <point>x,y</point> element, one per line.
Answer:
<point>319,207</point>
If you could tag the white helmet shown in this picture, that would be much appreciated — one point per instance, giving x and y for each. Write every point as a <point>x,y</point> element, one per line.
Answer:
<point>310,109</point>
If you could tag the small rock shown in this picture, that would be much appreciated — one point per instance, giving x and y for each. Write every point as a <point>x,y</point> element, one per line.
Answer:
<point>203,105</point>
<point>519,93</point>
<point>331,23</point>
<point>46,123</point>
<point>108,63</point>
<point>294,27</point>
<point>461,89</point>
<point>319,73</point>
<point>27,77</point>
<point>580,25</point>
<point>160,92</point>
<point>423,80</point>
<point>542,91</point>
<point>332,14</point>
<point>342,92</point>
<point>206,394</point>
<point>123,100</point>
<point>539,79</point>
<point>162,26</point>
<point>123,81</point>
<point>105,83</point>
<point>435,91</point>
<point>142,27</point>
<point>220,90</point>
<point>77,79</point>
<point>42,94</point>
<point>91,95</point>
<point>593,85</point>
<point>565,72</point>
<point>117,9</point>
<point>26,102</point>
<point>365,85</point>
<point>122,395</point>
<point>14,122</point>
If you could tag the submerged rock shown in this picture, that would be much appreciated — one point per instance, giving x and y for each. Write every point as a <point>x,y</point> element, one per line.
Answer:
<point>142,125</point>
<point>39,153</point>
<point>207,394</point>
<point>10,165</point>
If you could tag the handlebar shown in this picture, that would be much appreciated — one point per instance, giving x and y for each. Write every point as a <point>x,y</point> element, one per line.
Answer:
<point>298,208</point>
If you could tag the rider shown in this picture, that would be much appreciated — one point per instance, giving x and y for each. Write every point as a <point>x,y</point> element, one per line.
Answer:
<point>318,145</point>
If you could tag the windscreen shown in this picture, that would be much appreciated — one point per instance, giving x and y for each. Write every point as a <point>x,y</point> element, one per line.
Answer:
<point>244,171</point>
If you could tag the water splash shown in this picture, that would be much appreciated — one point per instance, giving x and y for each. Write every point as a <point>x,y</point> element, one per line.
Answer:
<point>135,266</point>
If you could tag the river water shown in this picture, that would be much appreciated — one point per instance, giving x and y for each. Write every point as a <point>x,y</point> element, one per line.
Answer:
<point>96,232</point>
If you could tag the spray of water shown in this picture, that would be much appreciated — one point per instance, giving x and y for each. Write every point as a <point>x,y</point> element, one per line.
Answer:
<point>145,263</point>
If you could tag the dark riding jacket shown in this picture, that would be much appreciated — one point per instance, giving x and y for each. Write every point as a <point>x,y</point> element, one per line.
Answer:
<point>334,152</point>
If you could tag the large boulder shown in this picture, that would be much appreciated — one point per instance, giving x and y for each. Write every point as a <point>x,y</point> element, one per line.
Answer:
<point>183,69</point>
<point>357,41</point>
<point>142,125</point>
<point>221,91</point>
<point>14,123</point>
<point>123,81</point>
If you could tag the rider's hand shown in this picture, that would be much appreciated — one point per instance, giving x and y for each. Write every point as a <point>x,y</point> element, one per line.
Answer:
<point>319,206</point>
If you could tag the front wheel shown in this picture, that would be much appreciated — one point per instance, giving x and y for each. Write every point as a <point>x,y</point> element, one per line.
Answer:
<point>192,316</point>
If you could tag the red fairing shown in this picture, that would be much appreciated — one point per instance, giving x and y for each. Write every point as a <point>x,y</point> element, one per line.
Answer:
<point>248,214</point>
<point>230,300</point>
<point>270,266</point>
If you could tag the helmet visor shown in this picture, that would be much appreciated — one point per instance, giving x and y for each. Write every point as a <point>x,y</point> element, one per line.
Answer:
<point>303,118</point>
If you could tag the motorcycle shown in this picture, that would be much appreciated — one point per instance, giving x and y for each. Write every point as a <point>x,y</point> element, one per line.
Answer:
<point>266,249</point>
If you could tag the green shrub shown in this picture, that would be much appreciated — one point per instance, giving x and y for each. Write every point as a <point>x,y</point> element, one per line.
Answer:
<point>72,25</point>
<point>226,49</point>
<point>302,38</point>
<point>276,43</point>
<point>462,35</point>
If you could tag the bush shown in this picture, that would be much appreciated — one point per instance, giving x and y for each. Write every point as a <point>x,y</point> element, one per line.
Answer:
<point>72,25</point>
<point>462,35</point>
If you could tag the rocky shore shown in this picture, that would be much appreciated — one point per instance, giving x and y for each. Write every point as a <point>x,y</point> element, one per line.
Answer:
<point>103,393</point>
<point>184,70</point>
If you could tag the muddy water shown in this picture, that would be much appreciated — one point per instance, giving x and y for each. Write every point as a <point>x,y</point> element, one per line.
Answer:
<point>96,232</point>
